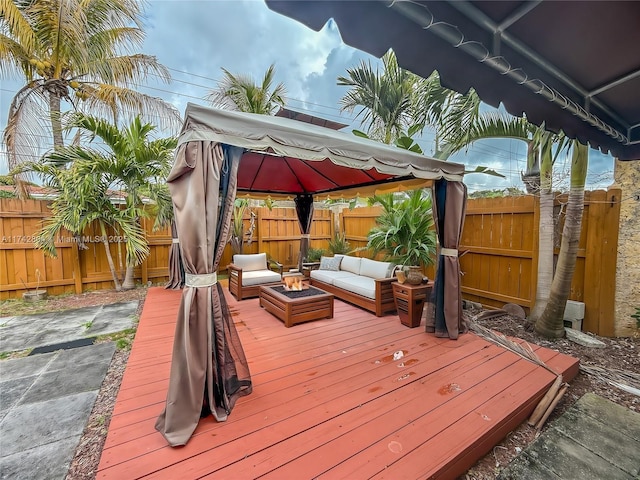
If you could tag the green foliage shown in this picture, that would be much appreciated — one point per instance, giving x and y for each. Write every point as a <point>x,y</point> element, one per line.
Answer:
<point>339,244</point>
<point>385,100</point>
<point>408,143</point>
<point>5,194</point>
<point>79,52</point>
<point>123,339</point>
<point>404,231</point>
<point>237,227</point>
<point>314,254</point>
<point>242,93</point>
<point>7,180</point>
<point>498,193</point>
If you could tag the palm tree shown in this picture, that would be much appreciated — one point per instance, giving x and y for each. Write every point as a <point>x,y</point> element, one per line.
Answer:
<point>74,51</point>
<point>242,93</point>
<point>550,323</point>
<point>540,160</point>
<point>386,100</point>
<point>82,200</point>
<point>135,164</point>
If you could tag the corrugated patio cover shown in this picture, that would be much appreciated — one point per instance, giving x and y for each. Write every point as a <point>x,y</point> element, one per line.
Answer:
<point>208,368</point>
<point>445,314</point>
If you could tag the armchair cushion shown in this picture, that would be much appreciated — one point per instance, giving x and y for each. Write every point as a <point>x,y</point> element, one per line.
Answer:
<point>260,277</point>
<point>251,262</point>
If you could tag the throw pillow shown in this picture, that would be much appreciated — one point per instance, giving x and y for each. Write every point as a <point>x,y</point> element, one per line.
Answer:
<point>330,263</point>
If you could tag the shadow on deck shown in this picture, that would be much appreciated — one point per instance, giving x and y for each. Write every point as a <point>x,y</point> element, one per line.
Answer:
<point>329,400</point>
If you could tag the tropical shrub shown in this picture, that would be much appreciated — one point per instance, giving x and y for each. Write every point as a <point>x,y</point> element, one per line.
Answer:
<point>404,230</point>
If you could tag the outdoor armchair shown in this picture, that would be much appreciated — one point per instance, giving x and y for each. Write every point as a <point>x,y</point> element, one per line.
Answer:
<point>249,272</point>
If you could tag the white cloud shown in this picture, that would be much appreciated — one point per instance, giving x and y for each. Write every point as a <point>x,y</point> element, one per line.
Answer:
<point>195,39</point>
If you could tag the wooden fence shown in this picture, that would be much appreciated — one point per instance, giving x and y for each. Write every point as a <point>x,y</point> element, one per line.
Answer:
<point>500,245</point>
<point>499,242</point>
<point>75,270</point>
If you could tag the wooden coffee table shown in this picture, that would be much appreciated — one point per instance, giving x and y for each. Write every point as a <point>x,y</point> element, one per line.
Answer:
<point>296,307</point>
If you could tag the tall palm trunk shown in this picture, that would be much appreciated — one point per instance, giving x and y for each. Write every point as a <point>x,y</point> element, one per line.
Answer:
<point>531,178</point>
<point>129,282</point>
<point>551,324</point>
<point>107,249</point>
<point>545,234</point>
<point>56,122</point>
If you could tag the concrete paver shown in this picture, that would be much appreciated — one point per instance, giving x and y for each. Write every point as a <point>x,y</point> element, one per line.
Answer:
<point>30,331</point>
<point>46,399</point>
<point>595,438</point>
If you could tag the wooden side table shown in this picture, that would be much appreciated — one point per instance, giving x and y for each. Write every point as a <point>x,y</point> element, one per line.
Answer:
<point>410,301</point>
<point>308,266</point>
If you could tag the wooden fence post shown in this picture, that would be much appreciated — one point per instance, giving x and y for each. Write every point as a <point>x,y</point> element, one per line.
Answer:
<point>535,249</point>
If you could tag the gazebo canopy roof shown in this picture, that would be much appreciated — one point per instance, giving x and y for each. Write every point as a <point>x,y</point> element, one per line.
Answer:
<point>574,65</point>
<point>285,157</point>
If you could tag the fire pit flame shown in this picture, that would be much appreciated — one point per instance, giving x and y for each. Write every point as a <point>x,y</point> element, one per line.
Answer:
<point>293,284</point>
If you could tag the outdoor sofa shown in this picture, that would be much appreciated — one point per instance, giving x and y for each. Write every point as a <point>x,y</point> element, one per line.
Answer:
<point>361,281</point>
<point>249,272</point>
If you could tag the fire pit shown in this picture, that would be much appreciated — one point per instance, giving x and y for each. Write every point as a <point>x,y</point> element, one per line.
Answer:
<point>296,306</point>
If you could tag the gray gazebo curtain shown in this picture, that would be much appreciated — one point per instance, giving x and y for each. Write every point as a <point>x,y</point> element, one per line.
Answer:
<point>176,269</point>
<point>445,314</point>
<point>208,369</point>
<point>304,210</point>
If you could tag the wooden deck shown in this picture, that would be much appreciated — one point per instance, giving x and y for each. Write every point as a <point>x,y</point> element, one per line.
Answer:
<point>329,401</point>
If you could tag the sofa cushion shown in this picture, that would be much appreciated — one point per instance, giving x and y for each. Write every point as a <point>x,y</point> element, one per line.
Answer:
<point>258,277</point>
<point>330,263</point>
<point>350,264</point>
<point>365,286</point>
<point>375,268</point>
<point>251,262</point>
<point>329,276</point>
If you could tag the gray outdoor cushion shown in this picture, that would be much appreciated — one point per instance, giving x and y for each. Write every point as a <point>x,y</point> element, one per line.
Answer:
<point>330,263</point>
<point>375,268</point>
<point>350,264</point>
<point>258,277</point>
<point>365,286</point>
<point>251,262</point>
<point>329,276</point>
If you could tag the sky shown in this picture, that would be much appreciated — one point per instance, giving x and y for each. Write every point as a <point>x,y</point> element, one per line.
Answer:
<point>196,39</point>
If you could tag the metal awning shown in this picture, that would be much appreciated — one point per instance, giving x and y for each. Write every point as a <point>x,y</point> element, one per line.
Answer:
<point>572,65</point>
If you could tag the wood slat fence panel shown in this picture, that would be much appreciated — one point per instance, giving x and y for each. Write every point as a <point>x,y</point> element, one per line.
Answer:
<point>74,270</point>
<point>499,250</point>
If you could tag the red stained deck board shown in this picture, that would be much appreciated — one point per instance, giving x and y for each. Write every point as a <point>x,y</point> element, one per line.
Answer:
<point>268,401</point>
<point>279,422</point>
<point>324,383</point>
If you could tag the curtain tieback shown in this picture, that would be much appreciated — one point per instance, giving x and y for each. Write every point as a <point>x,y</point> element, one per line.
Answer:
<point>449,252</point>
<point>201,280</point>
<point>306,235</point>
<point>175,240</point>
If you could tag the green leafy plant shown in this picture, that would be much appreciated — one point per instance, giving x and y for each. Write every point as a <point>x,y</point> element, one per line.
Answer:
<point>339,244</point>
<point>404,230</point>
<point>314,254</point>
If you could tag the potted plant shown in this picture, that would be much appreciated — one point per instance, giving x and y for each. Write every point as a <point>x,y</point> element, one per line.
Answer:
<point>34,295</point>
<point>404,232</point>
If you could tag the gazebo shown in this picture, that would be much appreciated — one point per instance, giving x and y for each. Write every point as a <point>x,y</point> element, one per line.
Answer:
<point>223,154</point>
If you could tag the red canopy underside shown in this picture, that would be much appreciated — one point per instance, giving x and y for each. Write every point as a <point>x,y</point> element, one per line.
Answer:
<point>291,176</point>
